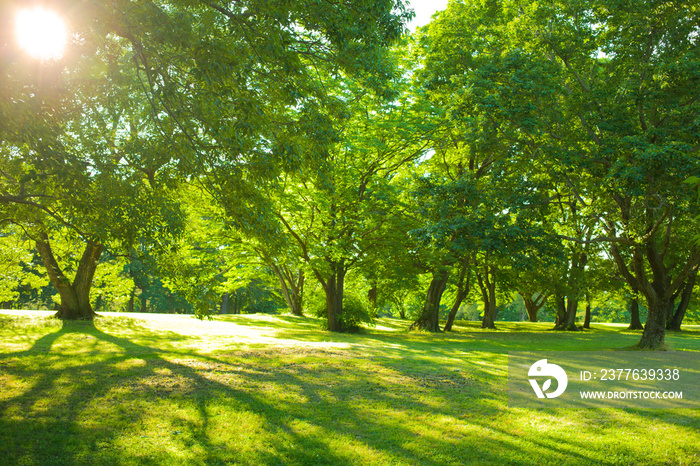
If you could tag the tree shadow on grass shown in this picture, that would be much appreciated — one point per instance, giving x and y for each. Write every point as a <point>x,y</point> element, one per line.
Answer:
<point>56,420</point>
<point>84,396</point>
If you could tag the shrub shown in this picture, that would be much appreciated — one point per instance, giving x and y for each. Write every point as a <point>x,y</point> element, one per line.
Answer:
<point>355,313</point>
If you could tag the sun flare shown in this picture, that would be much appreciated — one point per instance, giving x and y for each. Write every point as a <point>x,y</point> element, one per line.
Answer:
<point>41,33</point>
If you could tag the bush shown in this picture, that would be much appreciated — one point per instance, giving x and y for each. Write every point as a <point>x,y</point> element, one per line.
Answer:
<point>355,313</point>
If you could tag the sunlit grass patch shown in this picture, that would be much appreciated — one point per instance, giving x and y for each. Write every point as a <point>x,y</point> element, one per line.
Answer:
<point>277,390</point>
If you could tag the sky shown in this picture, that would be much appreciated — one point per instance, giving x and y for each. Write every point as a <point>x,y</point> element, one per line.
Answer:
<point>424,10</point>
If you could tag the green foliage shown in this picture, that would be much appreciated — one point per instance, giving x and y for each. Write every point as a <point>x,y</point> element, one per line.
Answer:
<point>111,287</point>
<point>356,313</point>
<point>17,270</point>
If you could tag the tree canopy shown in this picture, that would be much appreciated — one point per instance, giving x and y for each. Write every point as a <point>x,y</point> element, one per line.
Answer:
<point>298,149</point>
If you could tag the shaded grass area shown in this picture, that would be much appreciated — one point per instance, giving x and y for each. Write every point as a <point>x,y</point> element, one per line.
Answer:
<point>277,390</point>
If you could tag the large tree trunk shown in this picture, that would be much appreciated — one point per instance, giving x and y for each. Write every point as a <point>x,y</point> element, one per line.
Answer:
<point>568,320</point>
<point>489,318</point>
<point>75,297</point>
<point>659,296</point>
<point>372,296</point>
<point>430,316</point>
<point>655,329</point>
<point>676,318</point>
<point>635,322</point>
<point>462,292</point>
<point>224,304</point>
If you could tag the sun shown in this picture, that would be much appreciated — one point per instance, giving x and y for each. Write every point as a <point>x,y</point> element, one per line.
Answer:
<point>41,33</point>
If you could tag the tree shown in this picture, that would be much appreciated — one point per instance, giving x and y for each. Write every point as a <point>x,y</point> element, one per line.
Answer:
<point>605,91</point>
<point>476,168</point>
<point>346,213</point>
<point>77,148</point>
<point>219,82</point>
<point>249,86</point>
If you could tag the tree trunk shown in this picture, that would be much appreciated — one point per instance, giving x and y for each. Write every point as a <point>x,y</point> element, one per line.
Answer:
<point>676,318</point>
<point>659,291</point>
<point>430,316</point>
<point>561,310</point>
<point>462,292</point>
<point>487,284</point>
<point>573,292</point>
<point>655,329</point>
<point>298,303</point>
<point>488,321</point>
<point>132,295</point>
<point>224,304</point>
<point>533,305</point>
<point>144,301</point>
<point>459,297</point>
<point>372,296</point>
<point>75,297</point>
<point>236,295</point>
<point>635,323</point>
<point>292,286</point>
<point>334,298</point>
<point>587,318</point>
<point>568,320</point>
<point>529,308</point>
<point>399,303</point>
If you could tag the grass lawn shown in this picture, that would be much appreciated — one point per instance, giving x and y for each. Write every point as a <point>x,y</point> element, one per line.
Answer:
<point>156,389</point>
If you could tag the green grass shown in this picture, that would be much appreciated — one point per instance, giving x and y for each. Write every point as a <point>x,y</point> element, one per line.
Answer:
<point>277,390</point>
